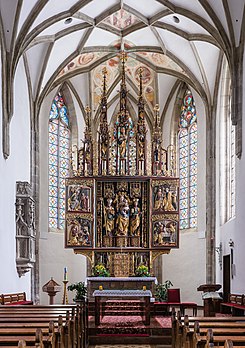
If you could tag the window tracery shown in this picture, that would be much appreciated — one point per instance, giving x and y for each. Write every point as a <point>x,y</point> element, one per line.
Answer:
<point>187,139</point>
<point>59,144</point>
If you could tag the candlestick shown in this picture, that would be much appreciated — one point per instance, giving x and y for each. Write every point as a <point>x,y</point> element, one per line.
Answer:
<point>65,296</point>
<point>65,273</point>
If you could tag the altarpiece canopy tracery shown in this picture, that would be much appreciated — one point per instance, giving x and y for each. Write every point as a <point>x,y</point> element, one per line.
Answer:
<point>122,196</point>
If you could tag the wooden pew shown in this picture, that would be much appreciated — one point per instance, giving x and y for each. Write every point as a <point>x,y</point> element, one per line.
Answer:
<point>18,298</point>
<point>184,329</point>
<point>71,325</point>
<point>26,323</point>
<point>201,337</point>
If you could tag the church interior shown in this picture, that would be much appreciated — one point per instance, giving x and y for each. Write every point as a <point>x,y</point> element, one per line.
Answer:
<point>121,148</point>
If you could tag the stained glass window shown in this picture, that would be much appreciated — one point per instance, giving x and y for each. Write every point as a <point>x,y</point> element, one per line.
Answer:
<point>59,143</point>
<point>188,162</point>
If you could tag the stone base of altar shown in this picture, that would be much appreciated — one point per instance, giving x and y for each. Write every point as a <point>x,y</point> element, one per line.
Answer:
<point>116,283</point>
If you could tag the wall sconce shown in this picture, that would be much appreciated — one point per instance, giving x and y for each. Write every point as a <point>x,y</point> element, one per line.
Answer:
<point>231,243</point>
<point>220,254</point>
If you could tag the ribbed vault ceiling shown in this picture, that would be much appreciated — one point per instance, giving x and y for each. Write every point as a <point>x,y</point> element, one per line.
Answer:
<point>71,41</point>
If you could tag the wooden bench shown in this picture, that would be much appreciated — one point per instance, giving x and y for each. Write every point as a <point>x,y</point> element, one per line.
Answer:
<point>188,332</point>
<point>69,322</point>
<point>18,298</point>
<point>236,304</point>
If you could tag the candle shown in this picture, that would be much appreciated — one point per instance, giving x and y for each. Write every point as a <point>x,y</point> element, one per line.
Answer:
<point>65,273</point>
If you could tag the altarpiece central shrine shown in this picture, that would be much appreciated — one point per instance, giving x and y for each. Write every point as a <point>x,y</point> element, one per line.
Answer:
<point>122,195</point>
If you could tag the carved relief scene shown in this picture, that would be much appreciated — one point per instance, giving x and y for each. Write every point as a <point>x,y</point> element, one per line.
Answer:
<point>79,230</point>
<point>78,198</point>
<point>121,214</point>
<point>165,232</point>
<point>165,196</point>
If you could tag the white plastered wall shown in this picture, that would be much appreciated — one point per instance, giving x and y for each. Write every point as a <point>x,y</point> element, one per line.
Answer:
<point>15,168</point>
<point>53,256</point>
<point>186,267</point>
<point>234,229</point>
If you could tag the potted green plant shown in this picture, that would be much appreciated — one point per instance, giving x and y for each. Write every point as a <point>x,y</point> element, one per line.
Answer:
<point>100,271</point>
<point>142,271</point>
<point>161,293</point>
<point>80,289</point>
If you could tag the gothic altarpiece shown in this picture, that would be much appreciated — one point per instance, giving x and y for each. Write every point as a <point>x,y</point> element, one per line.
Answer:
<point>122,206</point>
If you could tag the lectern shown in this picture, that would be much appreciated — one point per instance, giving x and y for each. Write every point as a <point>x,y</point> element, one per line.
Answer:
<point>210,297</point>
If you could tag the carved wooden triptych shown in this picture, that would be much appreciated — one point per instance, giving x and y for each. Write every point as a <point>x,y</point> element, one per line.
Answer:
<point>122,213</point>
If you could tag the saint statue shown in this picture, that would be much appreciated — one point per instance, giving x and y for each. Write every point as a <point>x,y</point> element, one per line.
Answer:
<point>122,142</point>
<point>168,201</point>
<point>122,221</point>
<point>73,240</point>
<point>84,202</point>
<point>135,218</point>
<point>109,217</point>
<point>158,202</point>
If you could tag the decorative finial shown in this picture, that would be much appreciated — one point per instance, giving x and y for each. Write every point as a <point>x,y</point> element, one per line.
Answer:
<point>140,78</point>
<point>157,120</point>
<point>156,108</point>
<point>123,57</point>
<point>87,118</point>
<point>87,109</point>
<point>104,72</point>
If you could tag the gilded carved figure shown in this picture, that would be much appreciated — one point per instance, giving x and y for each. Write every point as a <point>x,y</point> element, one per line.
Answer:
<point>109,217</point>
<point>122,221</point>
<point>73,238</point>
<point>135,218</point>
<point>122,142</point>
<point>159,197</point>
<point>168,201</point>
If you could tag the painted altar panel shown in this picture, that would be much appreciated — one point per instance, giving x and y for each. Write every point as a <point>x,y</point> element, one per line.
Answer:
<point>79,213</point>
<point>165,213</point>
<point>122,213</point>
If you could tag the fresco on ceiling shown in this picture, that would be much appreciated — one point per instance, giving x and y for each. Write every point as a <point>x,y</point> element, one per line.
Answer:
<point>121,19</point>
<point>81,61</point>
<point>162,61</point>
<point>132,72</point>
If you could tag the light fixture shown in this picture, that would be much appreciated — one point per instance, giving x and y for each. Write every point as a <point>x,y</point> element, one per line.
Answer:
<point>219,250</point>
<point>68,20</point>
<point>176,19</point>
<point>231,243</point>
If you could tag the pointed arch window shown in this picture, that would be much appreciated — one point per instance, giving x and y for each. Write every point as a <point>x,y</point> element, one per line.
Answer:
<point>59,145</point>
<point>227,163</point>
<point>188,162</point>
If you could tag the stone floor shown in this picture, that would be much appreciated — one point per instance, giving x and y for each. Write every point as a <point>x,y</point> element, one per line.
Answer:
<point>129,346</point>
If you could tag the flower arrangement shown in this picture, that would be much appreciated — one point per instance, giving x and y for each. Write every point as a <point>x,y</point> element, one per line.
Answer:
<point>100,271</point>
<point>162,291</point>
<point>81,290</point>
<point>142,271</point>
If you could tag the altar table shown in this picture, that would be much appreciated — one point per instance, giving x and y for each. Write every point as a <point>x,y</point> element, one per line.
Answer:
<point>145,294</point>
<point>113,283</point>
